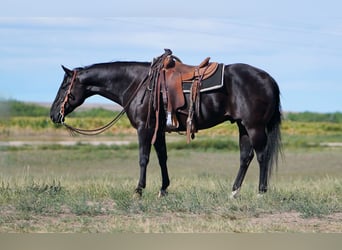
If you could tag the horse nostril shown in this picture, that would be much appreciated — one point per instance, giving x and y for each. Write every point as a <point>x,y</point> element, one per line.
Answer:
<point>56,118</point>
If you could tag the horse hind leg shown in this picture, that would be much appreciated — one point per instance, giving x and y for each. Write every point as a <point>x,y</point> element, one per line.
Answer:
<point>246,156</point>
<point>259,142</point>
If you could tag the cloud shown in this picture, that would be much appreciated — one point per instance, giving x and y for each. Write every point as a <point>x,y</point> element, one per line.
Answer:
<point>297,53</point>
<point>262,9</point>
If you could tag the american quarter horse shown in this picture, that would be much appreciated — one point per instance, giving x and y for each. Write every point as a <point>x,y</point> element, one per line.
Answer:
<point>249,97</point>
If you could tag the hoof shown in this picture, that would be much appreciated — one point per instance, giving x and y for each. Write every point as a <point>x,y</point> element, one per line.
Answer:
<point>137,193</point>
<point>162,193</point>
<point>235,194</point>
<point>261,195</point>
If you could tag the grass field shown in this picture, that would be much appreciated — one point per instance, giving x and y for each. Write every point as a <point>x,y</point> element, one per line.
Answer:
<point>84,188</point>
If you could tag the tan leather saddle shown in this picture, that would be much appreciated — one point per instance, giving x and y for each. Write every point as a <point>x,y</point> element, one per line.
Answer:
<point>171,73</point>
<point>177,72</point>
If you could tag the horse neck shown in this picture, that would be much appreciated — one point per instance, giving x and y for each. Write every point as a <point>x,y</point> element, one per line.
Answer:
<point>115,81</point>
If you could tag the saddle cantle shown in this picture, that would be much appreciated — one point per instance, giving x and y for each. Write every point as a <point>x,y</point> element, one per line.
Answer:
<point>187,72</point>
<point>176,73</point>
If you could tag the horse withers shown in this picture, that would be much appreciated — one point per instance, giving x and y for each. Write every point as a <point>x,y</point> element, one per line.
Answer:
<point>249,96</point>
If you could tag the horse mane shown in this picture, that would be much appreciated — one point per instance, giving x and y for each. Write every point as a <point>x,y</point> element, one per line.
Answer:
<point>105,64</point>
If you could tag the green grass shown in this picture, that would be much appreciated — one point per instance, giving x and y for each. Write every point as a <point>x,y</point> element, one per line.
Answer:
<point>201,195</point>
<point>90,189</point>
<point>85,188</point>
<point>191,202</point>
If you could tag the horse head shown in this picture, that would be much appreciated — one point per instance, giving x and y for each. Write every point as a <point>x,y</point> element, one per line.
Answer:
<point>70,95</point>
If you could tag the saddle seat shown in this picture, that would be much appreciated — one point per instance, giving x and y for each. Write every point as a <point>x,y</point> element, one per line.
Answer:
<point>188,72</point>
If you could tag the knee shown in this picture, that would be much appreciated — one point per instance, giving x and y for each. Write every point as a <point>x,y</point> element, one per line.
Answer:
<point>143,161</point>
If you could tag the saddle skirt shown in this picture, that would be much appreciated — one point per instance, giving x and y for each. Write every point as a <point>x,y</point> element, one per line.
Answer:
<point>215,81</point>
<point>180,77</point>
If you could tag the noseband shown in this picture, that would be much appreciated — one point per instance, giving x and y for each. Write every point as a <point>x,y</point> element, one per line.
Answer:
<point>66,98</point>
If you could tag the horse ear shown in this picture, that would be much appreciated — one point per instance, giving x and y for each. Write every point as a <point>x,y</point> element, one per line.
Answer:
<point>66,70</point>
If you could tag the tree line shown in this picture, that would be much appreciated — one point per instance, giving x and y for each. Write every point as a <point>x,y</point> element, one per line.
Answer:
<point>17,108</point>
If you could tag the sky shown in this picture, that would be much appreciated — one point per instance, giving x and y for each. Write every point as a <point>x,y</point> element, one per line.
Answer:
<point>299,43</point>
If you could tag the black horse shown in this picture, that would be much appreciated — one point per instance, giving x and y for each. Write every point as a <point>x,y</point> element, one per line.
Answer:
<point>249,96</point>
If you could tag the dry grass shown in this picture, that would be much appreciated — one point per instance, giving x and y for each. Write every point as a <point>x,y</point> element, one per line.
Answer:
<point>74,191</point>
<point>84,188</point>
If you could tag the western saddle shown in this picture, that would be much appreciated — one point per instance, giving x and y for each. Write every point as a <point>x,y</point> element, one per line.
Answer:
<point>175,73</point>
<point>166,77</point>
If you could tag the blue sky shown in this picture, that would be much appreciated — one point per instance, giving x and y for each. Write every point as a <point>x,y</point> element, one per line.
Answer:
<point>298,42</point>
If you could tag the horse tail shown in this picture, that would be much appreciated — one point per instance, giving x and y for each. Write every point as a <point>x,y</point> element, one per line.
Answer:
<point>274,145</point>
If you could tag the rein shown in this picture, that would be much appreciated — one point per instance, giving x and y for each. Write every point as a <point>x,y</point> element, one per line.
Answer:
<point>95,131</point>
<point>108,125</point>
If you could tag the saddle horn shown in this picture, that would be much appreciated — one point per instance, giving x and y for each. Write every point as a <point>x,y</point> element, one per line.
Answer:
<point>168,52</point>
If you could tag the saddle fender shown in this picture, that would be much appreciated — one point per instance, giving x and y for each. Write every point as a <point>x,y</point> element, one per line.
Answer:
<point>174,88</point>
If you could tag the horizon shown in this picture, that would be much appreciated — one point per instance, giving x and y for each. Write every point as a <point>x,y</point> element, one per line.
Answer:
<point>116,107</point>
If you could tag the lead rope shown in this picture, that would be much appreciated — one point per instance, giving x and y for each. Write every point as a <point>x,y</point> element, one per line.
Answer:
<point>97,130</point>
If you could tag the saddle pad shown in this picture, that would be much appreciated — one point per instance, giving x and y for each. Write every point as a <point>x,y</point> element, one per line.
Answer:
<point>211,83</point>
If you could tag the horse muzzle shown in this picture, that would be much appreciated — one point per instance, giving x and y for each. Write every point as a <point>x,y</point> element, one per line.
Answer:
<point>58,118</point>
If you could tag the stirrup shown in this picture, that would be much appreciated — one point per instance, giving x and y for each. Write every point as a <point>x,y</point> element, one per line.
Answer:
<point>170,125</point>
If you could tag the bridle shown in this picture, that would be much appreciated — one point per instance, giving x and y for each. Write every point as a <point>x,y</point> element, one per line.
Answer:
<point>66,98</point>
<point>103,128</point>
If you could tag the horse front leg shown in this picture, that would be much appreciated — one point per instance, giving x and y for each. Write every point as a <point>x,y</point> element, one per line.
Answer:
<point>145,137</point>
<point>160,147</point>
